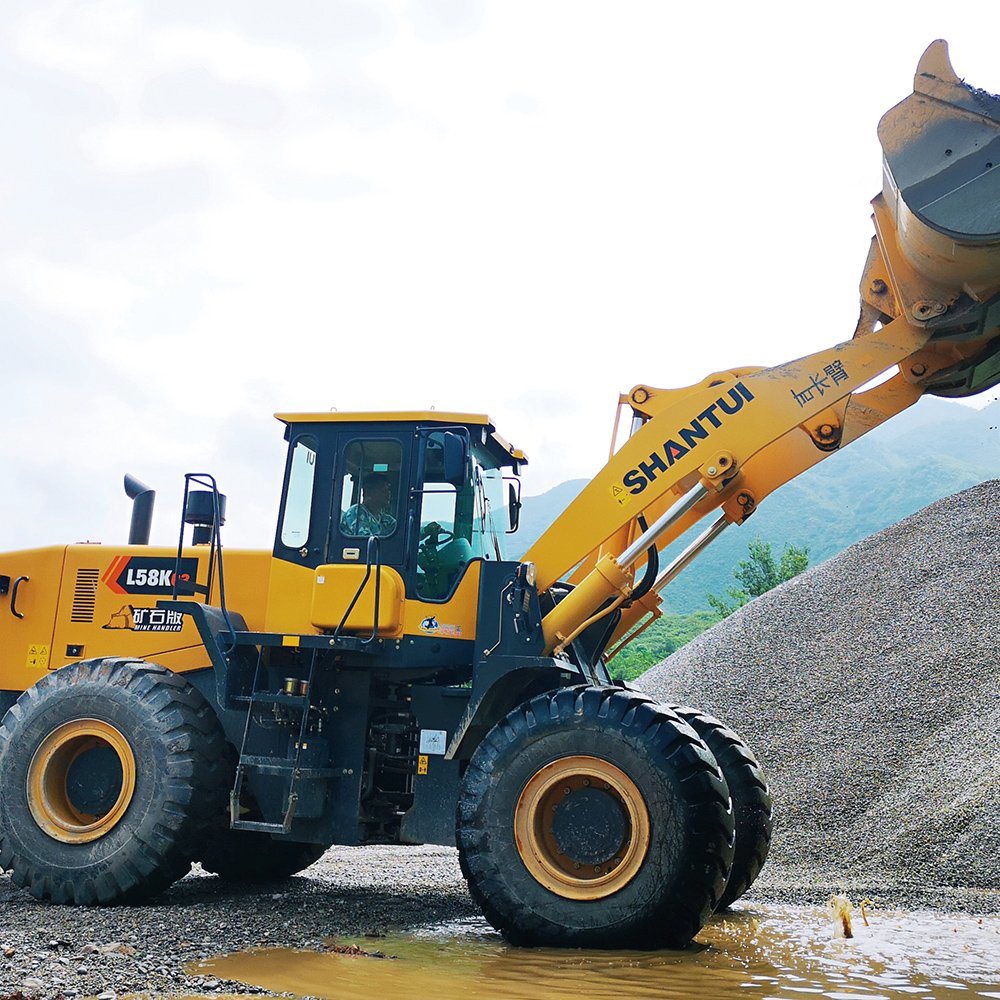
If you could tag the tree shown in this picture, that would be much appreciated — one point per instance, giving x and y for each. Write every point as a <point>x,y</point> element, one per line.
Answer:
<point>758,573</point>
<point>667,634</point>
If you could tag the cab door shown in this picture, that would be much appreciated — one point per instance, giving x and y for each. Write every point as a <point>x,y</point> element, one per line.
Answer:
<point>361,581</point>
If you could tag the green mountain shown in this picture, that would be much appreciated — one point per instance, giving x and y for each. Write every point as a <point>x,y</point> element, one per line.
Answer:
<point>928,452</point>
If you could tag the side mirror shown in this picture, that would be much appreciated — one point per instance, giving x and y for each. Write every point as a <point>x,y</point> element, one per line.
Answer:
<point>455,458</point>
<point>514,503</point>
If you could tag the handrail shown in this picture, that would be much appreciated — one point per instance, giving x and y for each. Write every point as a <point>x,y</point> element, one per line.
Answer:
<point>13,596</point>
<point>214,549</point>
<point>374,542</point>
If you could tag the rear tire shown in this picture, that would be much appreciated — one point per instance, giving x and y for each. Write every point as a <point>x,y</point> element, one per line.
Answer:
<point>111,773</point>
<point>557,867</point>
<point>753,806</point>
<point>256,858</point>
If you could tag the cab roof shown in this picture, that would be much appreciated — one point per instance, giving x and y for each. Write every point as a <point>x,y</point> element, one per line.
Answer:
<point>406,416</point>
<point>382,416</point>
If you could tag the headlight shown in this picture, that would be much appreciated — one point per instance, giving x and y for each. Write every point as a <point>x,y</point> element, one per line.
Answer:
<point>530,573</point>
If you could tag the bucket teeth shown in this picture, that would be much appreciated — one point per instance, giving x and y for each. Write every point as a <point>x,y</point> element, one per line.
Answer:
<point>942,156</point>
<point>936,77</point>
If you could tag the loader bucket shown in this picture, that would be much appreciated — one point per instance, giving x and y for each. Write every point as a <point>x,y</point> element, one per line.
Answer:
<point>941,149</point>
<point>941,186</point>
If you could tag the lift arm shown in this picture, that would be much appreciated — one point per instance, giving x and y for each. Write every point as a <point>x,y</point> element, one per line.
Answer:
<point>930,322</point>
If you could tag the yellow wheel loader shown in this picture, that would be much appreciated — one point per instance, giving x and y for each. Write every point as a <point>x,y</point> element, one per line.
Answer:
<point>384,673</point>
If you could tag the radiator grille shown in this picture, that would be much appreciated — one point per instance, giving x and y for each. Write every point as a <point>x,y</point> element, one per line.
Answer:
<point>85,595</point>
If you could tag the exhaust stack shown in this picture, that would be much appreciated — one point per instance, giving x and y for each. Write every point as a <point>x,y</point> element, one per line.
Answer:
<point>142,498</point>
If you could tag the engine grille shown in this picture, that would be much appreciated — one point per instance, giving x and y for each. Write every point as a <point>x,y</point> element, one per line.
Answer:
<point>85,596</point>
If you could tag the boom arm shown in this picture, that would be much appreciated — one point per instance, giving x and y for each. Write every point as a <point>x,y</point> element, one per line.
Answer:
<point>930,311</point>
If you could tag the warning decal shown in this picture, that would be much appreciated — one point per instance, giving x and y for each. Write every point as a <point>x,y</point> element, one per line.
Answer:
<point>621,495</point>
<point>38,657</point>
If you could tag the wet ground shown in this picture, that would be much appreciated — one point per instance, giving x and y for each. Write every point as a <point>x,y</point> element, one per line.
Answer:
<point>926,934</point>
<point>768,952</point>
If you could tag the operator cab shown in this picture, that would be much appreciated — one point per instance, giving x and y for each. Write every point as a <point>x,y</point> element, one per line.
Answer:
<point>424,493</point>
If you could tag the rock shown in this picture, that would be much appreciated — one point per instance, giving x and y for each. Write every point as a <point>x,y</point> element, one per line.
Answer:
<point>116,948</point>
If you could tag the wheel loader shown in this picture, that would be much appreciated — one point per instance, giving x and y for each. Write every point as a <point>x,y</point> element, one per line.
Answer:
<point>385,673</point>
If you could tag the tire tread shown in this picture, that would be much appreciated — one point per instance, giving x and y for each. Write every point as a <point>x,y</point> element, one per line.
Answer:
<point>753,805</point>
<point>677,747</point>
<point>192,792</point>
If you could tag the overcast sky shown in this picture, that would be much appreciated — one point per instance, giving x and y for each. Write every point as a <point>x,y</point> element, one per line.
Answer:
<point>213,211</point>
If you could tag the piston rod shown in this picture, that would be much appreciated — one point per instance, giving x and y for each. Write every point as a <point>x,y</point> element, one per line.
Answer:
<point>673,568</point>
<point>660,525</point>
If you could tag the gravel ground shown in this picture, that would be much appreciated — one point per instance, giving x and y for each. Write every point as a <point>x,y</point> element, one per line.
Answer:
<point>58,951</point>
<point>51,952</point>
<point>869,687</point>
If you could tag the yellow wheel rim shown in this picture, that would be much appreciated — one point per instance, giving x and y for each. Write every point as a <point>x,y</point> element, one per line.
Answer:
<point>81,780</point>
<point>582,827</point>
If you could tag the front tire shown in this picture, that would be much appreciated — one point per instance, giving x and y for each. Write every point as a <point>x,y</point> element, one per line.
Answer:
<point>593,817</point>
<point>111,773</point>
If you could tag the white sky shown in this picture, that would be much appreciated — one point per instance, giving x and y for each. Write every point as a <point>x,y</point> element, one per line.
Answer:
<point>213,211</point>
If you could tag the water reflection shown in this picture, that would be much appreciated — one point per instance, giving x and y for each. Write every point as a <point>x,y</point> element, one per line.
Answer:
<point>772,952</point>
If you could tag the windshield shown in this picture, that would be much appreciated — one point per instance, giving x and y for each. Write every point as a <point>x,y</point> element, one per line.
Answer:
<point>458,523</point>
<point>489,516</point>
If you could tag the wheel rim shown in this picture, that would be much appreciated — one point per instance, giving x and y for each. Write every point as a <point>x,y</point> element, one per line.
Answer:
<point>582,827</point>
<point>81,780</point>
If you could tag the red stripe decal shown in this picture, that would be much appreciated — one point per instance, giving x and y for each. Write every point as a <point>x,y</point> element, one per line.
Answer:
<point>114,571</point>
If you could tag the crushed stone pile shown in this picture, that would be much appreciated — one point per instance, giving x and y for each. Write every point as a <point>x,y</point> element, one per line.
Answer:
<point>869,687</point>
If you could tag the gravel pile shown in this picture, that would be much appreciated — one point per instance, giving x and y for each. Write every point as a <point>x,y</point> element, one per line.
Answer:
<point>869,687</point>
<point>59,951</point>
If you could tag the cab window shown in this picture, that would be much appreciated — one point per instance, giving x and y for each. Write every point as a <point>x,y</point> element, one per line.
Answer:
<point>369,496</point>
<point>299,496</point>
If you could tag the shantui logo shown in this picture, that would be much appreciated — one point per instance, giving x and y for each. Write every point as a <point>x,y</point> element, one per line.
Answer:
<point>687,437</point>
<point>147,574</point>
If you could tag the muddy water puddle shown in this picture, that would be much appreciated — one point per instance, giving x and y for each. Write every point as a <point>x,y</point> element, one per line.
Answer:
<point>770,952</point>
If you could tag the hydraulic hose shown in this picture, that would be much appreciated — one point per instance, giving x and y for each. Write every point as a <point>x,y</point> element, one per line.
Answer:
<point>612,603</point>
<point>652,566</point>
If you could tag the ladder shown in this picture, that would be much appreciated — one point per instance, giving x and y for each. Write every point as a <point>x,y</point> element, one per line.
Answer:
<point>289,765</point>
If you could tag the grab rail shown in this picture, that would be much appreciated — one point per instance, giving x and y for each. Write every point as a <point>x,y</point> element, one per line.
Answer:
<point>13,596</point>
<point>374,543</point>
